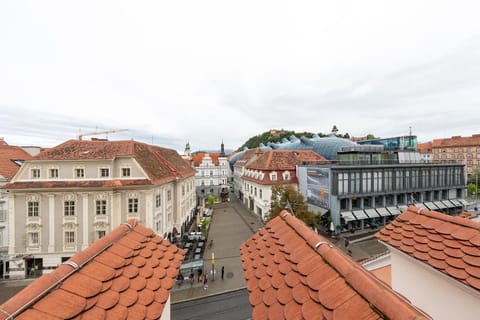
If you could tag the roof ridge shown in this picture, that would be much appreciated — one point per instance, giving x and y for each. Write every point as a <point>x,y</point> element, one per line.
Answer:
<point>43,285</point>
<point>351,271</point>
<point>170,166</point>
<point>446,218</point>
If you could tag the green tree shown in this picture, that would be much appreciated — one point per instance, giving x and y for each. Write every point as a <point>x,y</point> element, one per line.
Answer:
<point>211,201</point>
<point>287,197</point>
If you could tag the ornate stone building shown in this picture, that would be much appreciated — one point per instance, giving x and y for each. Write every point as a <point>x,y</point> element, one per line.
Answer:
<point>68,196</point>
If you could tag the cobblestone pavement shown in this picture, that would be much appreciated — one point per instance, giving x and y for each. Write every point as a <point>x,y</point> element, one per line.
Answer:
<point>232,224</point>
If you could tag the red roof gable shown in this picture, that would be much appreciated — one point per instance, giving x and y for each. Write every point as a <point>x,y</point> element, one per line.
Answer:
<point>449,244</point>
<point>197,159</point>
<point>294,273</point>
<point>127,274</point>
<point>457,141</point>
<point>8,154</point>
<point>283,159</point>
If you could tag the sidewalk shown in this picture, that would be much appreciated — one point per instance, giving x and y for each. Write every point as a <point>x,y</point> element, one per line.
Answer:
<point>232,224</point>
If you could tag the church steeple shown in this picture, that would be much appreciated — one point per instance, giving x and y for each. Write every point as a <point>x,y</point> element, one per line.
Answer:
<point>187,149</point>
<point>222,150</point>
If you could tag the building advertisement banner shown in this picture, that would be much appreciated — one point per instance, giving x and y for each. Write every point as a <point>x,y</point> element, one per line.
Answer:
<point>318,187</point>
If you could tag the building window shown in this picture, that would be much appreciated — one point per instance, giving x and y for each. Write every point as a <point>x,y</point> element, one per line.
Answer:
<point>101,234</point>
<point>79,173</point>
<point>132,205</point>
<point>273,176</point>
<point>169,195</point>
<point>260,191</point>
<point>69,208</point>
<point>53,173</point>
<point>101,207</point>
<point>125,172</point>
<point>286,175</point>
<point>69,237</point>
<point>32,208</point>
<point>158,201</point>
<point>183,190</point>
<point>33,239</point>
<point>255,191</point>
<point>35,173</point>
<point>104,172</point>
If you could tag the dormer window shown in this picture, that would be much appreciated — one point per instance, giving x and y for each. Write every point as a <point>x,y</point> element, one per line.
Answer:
<point>286,175</point>
<point>273,176</point>
<point>125,172</point>
<point>35,173</point>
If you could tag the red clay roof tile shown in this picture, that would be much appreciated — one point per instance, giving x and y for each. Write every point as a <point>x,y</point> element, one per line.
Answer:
<point>108,285</point>
<point>301,275</point>
<point>8,156</point>
<point>452,243</point>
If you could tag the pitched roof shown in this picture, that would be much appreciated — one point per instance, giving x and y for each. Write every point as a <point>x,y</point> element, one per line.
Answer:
<point>283,159</point>
<point>248,156</point>
<point>160,164</point>
<point>457,141</point>
<point>424,147</point>
<point>126,274</point>
<point>8,155</point>
<point>294,273</point>
<point>197,159</point>
<point>448,244</point>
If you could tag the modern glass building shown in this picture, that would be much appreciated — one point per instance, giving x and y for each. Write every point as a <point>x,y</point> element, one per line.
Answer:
<point>402,143</point>
<point>359,195</point>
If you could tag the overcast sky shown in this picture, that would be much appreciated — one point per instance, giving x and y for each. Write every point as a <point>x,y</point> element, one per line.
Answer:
<point>200,71</point>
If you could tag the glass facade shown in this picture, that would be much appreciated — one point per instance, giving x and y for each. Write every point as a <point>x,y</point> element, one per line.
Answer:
<point>394,144</point>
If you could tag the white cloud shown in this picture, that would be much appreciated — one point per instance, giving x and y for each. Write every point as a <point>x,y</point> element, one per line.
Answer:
<point>206,70</point>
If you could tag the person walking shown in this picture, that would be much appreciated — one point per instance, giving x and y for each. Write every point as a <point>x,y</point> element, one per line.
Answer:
<point>205,281</point>
<point>223,271</point>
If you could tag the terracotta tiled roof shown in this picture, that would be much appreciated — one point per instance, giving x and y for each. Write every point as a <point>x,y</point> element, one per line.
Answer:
<point>8,168</point>
<point>457,141</point>
<point>197,159</point>
<point>279,161</point>
<point>248,156</point>
<point>294,273</point>
<point>425,147</point>
<point>449,244</point>
<point>127,274</point>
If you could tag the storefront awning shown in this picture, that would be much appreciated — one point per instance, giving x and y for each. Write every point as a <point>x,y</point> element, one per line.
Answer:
<point>383,212</point>
<point>456,202</point>
<point>448,204</point>
<point>440,205</point>
<point>463,201</point>
<point>394,211</point>
<point>430,205</point>
<point>360,214</point>
<point>372,213</point>
<point>402,208</point>
<point>420,205</point>
<point>347,216</point>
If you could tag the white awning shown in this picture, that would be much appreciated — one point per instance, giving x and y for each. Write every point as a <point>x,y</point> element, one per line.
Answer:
<point>402,208</point>
<point>347,216</point>
<point>456,202</point>
<point>420,205</point>
<point>360,214</point>
<point>463,201</point>
<point>394,211</point>
<point>383,212</point>
<point>440,205</point>
<point>430,205</point>
<point>371,213</point>
<point>448,203</point>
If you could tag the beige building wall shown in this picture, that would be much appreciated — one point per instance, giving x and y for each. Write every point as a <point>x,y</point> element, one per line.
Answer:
<point>437,294</point>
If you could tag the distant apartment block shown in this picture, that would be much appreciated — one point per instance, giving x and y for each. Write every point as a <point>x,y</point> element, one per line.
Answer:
<point>465,150</point>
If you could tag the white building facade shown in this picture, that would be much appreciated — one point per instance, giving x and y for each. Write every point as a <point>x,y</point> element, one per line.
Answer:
<point>67,197</point>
